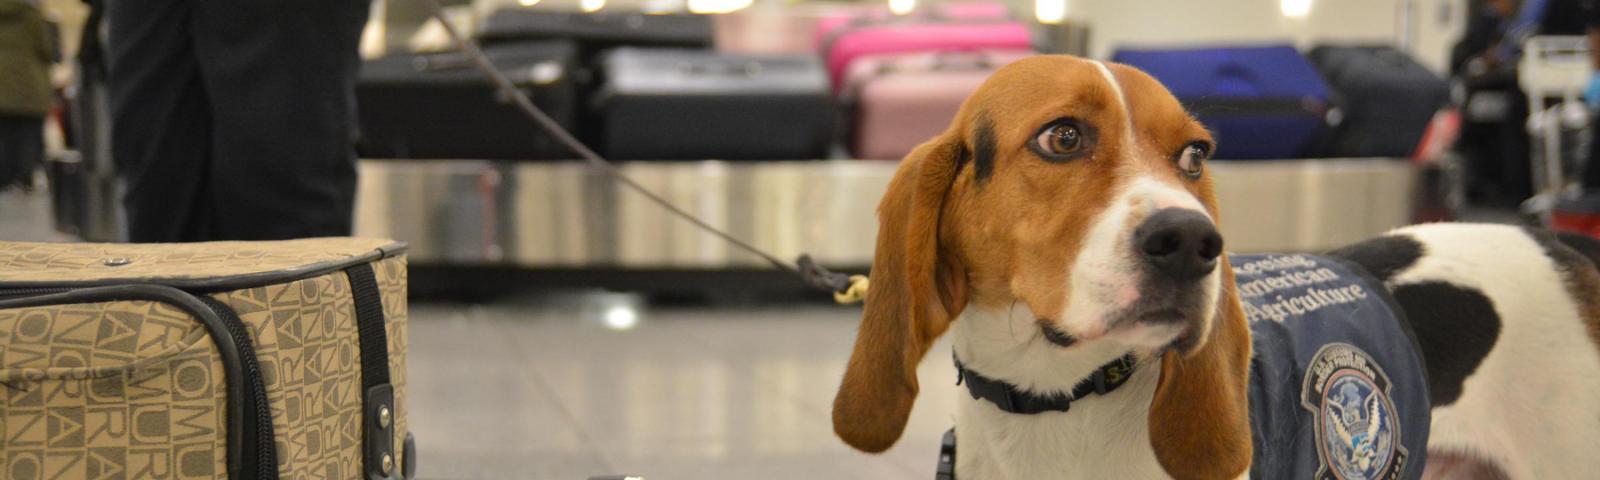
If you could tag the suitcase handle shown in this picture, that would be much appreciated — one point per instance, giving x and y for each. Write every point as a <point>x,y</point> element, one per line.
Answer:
<point>1236,74</point>
<point>743,69</point>
<point>443,61</point>
<point>948,60</point>
<point>943,61</point>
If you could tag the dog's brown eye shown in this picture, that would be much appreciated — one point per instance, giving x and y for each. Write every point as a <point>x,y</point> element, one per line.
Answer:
<point>1191,160</point>
<point>1063,140</point>
<point>1060,139</point>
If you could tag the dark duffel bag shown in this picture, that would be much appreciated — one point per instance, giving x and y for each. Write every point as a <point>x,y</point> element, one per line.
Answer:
<point>666,104</point>
<point>440,106</point>
<point>1385,100</point>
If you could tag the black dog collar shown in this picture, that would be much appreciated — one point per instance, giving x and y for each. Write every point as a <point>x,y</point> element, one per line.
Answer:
<point>1012,399</point>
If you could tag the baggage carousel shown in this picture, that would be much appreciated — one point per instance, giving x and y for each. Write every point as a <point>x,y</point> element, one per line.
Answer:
<point>474,225</point>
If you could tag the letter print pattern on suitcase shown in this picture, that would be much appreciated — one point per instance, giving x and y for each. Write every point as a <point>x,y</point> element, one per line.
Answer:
<point>306,343</point>
<point>109,390</point>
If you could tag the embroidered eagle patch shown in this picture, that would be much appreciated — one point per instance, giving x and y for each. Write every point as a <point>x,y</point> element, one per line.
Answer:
<point>1357,432</point>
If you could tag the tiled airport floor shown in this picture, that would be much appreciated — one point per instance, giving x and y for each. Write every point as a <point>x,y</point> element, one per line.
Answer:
<point>525,391</point>
<point>544,390</point>
<point>26,218</point>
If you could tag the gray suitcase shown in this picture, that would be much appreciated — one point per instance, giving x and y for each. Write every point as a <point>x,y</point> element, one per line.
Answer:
<point>667,104</point>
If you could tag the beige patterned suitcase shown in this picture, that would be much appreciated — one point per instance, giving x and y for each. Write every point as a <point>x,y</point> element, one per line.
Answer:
<point>259,360</point>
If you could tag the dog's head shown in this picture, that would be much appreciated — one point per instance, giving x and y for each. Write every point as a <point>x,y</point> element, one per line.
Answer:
<point>1078,190</point>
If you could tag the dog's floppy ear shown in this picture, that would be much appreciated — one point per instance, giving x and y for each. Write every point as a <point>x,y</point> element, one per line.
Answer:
<point>911,301</point>
<point>1199,418</point>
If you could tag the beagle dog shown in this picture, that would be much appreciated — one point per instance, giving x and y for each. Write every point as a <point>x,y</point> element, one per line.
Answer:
<point>1063,230</point>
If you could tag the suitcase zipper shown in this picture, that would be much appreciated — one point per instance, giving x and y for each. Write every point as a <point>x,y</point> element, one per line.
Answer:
<point>258,450</point>
<point>259,430</point>
<point>10,293</point>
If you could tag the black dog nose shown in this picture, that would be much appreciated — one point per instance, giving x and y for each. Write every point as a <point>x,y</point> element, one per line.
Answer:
<point>1179,243</point>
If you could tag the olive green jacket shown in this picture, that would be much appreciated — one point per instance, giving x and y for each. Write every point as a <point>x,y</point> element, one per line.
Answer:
<point>24,60</point>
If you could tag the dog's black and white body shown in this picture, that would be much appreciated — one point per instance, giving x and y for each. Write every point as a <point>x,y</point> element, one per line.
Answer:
<point>1505,318</point>
<point>1064,222</point>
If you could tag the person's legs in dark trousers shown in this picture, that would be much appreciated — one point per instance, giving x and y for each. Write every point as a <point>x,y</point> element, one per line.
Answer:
<point>161,121</point>
<point>1591,166</point>
<point>1516,175</point>
<point>1590,169</point>
<point>1482,161</point>
<point>280,75</point>
<point>234,119</point>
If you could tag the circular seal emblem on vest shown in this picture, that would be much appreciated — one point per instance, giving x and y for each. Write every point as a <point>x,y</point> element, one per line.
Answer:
<point>1357,430</point>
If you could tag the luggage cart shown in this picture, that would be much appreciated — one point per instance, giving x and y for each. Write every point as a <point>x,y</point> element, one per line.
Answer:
<point>1555,67</point>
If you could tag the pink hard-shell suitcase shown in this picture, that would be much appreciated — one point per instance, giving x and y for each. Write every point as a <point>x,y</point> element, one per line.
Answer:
<point>912,38</point>
<point>899,101</point>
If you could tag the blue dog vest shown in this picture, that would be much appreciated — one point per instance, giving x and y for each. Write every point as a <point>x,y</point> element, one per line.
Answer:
<point>1337,386</point>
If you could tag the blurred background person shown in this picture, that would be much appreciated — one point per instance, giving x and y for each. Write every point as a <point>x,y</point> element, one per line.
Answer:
<point>1591,171</point>
<point>25,58</point>
<point>1495,140</point>
<point>234,119</point>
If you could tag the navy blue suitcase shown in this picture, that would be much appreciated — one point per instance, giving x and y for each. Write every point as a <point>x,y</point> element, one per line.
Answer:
<point>1260,102</point>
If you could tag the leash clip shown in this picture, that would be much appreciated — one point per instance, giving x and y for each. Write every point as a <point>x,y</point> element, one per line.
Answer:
<point>847,289</point>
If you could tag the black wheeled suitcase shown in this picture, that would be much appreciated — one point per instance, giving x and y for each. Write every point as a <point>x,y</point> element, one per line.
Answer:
<point>440,106</point>
<point>599,30</point>
<point>667,104</point>
<point>1385,100</point>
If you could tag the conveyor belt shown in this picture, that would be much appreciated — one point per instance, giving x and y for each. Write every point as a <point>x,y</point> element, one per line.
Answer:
<point>564,216</point>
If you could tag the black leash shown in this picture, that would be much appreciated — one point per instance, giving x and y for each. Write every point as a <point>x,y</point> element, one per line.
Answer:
<point>812,274</point>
